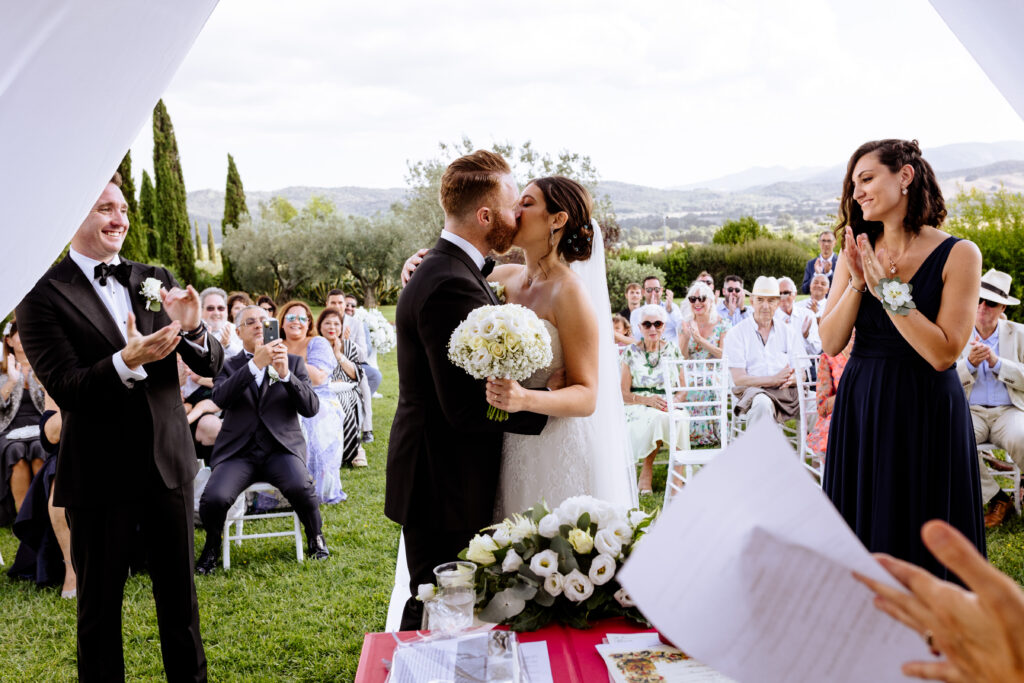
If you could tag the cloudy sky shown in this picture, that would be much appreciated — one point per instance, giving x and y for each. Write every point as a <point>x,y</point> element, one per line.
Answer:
<point>657,92</point>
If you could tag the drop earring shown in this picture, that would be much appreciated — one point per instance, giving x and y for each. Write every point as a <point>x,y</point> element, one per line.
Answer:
<point>903,191</point>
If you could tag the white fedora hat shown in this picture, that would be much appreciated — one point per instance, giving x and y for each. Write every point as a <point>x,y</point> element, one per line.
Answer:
<point>995,286</point>
<point>765,286</point>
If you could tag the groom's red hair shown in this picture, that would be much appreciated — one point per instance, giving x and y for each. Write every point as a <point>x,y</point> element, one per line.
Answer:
<point>469,180</point>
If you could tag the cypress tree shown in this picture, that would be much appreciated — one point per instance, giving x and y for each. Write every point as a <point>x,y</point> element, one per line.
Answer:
<point>199,242</point>
<point>136,246</point>
<point>211,248</point>
<point>234,210</point>
<point>147,200</point>
<point>171,210</point>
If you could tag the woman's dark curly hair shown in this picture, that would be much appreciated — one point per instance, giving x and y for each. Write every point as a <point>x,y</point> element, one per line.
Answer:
<point>925,205</point>
<point>565,194</point>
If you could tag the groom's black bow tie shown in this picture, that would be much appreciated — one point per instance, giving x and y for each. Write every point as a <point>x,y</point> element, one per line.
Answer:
<point>121,272</point>
<point>488,266</point>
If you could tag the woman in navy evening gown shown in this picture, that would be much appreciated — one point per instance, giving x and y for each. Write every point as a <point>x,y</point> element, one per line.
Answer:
<point>901,448</point>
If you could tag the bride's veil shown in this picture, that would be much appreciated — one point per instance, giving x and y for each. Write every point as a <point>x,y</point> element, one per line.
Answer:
<point>614,470</point>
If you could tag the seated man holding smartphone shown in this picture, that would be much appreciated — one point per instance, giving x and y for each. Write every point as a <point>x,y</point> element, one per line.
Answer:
<point>262,391</point>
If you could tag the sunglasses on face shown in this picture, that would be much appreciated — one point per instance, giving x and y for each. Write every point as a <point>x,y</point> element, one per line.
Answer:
<point>709,283</point>
<point>211,309</point>
<point>733,290</point>
<point>648,324</point>
<point>990,304</point>
<point>695,299</point>
<point>296,318</point>
<point>651,290</point>
<point>787,292</point>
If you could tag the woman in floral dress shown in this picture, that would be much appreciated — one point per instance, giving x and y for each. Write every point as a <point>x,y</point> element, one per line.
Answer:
<point>830,369</point>
<point>701,338</point>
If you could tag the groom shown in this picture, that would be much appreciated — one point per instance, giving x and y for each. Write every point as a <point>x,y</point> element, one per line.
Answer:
<point>444,455</point>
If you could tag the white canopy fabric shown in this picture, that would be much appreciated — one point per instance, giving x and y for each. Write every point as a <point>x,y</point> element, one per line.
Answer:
<point>991,32</point>
<point>78,80</point>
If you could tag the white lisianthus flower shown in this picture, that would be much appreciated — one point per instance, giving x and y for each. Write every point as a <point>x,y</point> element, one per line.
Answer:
<point>570,511</point>
<point>582,542</point>
<point>426,592</point>
<point>548,525</point>
<point>553,584</point>
<point>521,527</point>
<point>636,516</point>
<point>577,587</point>
<point>544,563</point>
<point>481,550</point>
<point>623,598</point>
<point>602,569</point>
<point>501,535</point>
<point>512,562</point>
<point>622,532</point>
<point>607,543</point>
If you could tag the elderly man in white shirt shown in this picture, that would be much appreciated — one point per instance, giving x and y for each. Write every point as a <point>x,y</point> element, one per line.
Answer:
<point>991,369</point>
<point>764,357</point>
<point>799,318</point>
<point>652,295</point>
<point>819,295</point>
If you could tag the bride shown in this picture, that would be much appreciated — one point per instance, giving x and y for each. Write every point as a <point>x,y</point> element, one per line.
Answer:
<point>583,448</point>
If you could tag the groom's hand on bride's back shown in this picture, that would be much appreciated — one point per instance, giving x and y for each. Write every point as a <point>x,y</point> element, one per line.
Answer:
<point>557,380</point>
<point>411,263</point>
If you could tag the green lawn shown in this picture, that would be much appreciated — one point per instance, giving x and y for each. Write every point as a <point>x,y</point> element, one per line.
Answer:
<point>270,618</point>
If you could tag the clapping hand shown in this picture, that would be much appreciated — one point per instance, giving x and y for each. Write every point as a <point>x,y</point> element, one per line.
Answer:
<point>13,371</point>
<point>807,327</point>
<point>506,394</point>
<point>142,349</point>
<point>411,263</point>
<point>182,306</point>
<point>854,261</point>
<point>786,377</point>
<point>225,336</point>
<point>871,269</point>
<point>980,353</point>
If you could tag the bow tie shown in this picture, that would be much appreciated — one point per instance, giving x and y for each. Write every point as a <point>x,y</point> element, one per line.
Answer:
<point>488,266</point>
<point>121,272</point>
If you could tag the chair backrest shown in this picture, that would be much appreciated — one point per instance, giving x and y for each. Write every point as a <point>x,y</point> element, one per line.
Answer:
<point>807,389</point>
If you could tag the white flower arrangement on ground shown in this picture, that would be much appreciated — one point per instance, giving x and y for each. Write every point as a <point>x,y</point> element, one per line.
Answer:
<point>556,565</point>
<point>895,295</point>
<point>507,341</point>
<point>382,333</point>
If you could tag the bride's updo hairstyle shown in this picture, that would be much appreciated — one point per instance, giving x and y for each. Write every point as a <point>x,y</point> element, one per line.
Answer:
<point>565,194</point>
<point>925,205</point>
<point>470,180</point>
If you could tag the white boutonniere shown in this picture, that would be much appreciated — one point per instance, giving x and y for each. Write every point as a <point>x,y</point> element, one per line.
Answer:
<point>274,377</point>
<point>151,290</point>
<point>895,295</point>
<point>499,291</point>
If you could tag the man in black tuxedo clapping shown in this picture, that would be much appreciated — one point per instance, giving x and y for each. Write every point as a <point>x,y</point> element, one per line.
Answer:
<point>262,390</point>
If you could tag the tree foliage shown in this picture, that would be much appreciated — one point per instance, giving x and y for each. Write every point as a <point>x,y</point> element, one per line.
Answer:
<point>740,230</point>
<point>235,210</point>
<point>136,243</point>
<point>211,247</point>
<point>147,213</point>
<point>171,209</point>
<point>621,272</point>
<point>994,222</point>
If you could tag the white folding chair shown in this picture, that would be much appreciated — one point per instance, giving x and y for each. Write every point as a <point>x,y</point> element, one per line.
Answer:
<point>238,519</point>
<point>807,390</point>
<point>1013,474</point>
<point>711,379</point>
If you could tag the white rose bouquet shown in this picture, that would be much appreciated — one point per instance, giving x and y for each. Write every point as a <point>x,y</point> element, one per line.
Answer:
<point>382,333</point>
<point>556,565</point>
<point>507,341</point>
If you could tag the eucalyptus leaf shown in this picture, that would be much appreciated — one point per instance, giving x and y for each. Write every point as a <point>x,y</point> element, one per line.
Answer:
<point>584,521</point>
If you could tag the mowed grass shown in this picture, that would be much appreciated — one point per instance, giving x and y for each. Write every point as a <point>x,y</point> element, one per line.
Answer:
<point>270,618</point>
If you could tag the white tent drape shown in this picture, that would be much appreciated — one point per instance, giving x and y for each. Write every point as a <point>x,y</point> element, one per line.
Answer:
<point>78,80</point>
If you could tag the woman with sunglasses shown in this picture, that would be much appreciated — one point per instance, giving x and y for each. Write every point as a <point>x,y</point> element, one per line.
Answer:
<point>324,432</point>
<point>643,378</point>
<point>702,337</point>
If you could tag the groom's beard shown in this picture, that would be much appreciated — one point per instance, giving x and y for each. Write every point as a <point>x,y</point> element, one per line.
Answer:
<point>500,236</point>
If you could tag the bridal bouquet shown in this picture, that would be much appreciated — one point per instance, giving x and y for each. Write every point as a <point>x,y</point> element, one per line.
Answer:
<point>507,341</point>
<point>382,334</point>
<point>556,565</point>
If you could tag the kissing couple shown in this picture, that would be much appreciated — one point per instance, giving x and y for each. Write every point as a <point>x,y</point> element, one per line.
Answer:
<point>452,471</point>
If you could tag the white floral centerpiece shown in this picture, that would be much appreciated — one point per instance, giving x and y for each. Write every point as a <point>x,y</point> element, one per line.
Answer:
<point>382,333</point>
<point>507,341</point>
<point>556,565</point>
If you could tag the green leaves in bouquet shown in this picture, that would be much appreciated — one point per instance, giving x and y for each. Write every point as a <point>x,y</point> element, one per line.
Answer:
<point>566,558</point>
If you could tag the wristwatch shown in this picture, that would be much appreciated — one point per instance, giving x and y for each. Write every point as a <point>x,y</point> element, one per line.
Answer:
<point>193,335</point>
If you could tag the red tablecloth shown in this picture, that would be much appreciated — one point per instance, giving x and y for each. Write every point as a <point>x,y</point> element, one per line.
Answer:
<point>573,656</point>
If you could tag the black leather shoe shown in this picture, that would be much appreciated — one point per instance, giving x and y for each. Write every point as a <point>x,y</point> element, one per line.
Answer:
<point>317,548</point>
<point>207,562</point>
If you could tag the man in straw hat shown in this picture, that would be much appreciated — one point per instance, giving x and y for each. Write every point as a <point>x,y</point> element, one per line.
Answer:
<point>992,371</point>
<point>764,357</point>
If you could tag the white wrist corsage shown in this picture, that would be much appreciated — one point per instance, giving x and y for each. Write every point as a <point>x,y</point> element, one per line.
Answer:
<point>274,377</point>
<point>895,295</point>
<point>499,291</point>
<point>151,290</point>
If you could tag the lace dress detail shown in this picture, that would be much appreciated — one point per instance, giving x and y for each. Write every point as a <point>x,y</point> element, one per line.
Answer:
<point>550,466</point>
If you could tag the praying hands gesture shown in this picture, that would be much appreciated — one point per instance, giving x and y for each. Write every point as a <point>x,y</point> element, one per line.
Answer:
<point>978,631</point>
<point>865,270</point>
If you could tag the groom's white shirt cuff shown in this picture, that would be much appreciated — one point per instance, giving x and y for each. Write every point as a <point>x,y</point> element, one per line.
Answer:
<point>465,246</point>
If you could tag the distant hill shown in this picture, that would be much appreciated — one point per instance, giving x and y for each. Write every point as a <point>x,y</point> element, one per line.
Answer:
<point>772,195</point>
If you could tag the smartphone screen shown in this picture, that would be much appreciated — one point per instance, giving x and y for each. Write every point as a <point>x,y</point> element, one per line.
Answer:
<point>271,330</point>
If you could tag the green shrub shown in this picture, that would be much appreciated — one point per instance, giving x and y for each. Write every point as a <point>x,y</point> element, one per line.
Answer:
<point>623,271</point>
<point>741,230</point>
<point>767,257</point>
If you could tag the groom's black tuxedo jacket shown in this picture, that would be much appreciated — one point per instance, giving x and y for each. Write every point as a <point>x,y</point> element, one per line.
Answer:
<point>115,441</point>
<point>444,455</point>
<point>277,406</point>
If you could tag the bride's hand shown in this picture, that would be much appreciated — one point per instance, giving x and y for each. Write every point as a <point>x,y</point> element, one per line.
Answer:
<point>506,394</point>
<point>410,265</point>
